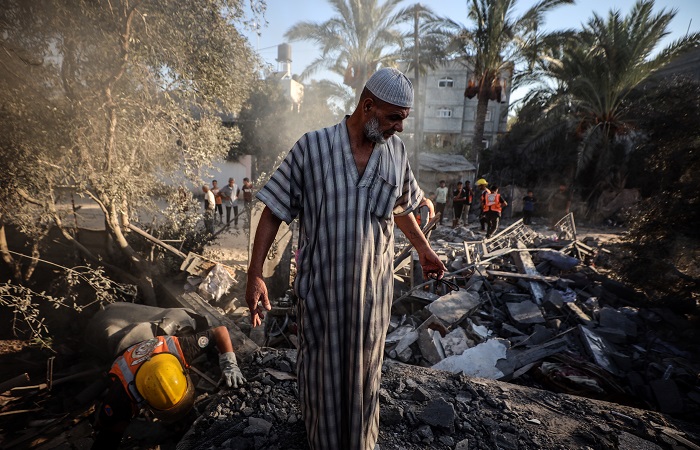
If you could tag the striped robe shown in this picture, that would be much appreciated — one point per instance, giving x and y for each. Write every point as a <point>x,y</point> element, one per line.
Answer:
<point>344,276</point>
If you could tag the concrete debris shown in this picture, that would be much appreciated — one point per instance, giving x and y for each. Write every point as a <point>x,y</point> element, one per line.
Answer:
<point>479,361</point>
<point>455,306</point>
<point>526,299</point>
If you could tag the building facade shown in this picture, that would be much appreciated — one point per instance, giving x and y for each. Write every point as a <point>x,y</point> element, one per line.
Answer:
<point>447,116</point>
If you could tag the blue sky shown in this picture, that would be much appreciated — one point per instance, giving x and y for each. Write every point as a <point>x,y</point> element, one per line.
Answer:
<point>282,14</point>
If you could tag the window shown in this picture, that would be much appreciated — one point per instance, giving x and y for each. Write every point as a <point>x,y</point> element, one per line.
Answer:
<point>444,112</point>
<point>446,82</point>
<point>486,144</point>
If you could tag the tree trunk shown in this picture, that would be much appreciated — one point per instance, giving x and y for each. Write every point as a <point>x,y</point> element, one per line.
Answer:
<point>144,273</point>
<point>480,121</point>
<point>6,256</point>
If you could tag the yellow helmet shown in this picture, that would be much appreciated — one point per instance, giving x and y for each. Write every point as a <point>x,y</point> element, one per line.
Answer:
<point>481,182</point>
<point>166,387</point>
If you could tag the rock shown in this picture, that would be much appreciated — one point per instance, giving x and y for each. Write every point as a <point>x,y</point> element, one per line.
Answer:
<point>455,343</point>
<point>525,313</point>
<point>391,415</point>
<point>421,395</point>
<point>611,318</point>
<point>462,445</point>
<point>440,413</point>
<point>257,426</point>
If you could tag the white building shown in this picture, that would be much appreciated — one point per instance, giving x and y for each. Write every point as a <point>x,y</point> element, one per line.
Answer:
<point>448,117</point>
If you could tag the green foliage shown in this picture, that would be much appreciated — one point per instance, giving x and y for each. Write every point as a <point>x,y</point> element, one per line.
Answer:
<point>28,306</point>
<point>587,84</point>
<point>109,98</point>
<point>361,37</point>
<point>498,43</point>
<point>664,234</point>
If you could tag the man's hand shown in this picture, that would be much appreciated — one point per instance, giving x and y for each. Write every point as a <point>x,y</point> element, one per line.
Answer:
<point>230,372</point>
<point>431,264</point>
<point>256,298</point>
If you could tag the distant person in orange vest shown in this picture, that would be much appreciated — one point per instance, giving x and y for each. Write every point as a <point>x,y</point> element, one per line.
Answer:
<point>153,374</point>
<point>493,206</point>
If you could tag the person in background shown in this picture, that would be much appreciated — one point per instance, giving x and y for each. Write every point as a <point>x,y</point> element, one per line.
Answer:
<point>483,187</point>
<point>209,205</point>
<point>153,374</point>
<point>229,194</point>
<point>217,200</point>
<point>441,199</point>
<point>468,203</point>
<point>528,207</point>
<point>493,206</point>
<point>247,195</point>
<point>349,184</point>
<point>459,199</point>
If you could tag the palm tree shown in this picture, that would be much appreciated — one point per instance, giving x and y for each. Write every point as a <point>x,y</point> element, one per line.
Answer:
<point>599,68</point>
<point>357,41</point>
<point>496,44</point>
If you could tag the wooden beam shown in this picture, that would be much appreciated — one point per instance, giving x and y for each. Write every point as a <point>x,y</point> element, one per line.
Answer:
<point>525,265</point>
<point>155,240</point>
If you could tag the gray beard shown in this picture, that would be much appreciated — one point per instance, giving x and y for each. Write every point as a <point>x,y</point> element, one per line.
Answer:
<point>372,131</point>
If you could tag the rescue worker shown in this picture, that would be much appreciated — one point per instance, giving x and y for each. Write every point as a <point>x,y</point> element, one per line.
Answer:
<point>482,185</point>
<point>153,374</point>
<point>493,206</point>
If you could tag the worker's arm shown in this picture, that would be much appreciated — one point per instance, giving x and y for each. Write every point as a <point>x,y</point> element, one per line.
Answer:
<point>429,260</point>
<point>256,291</point>
<point>230,372</point>
<point>222,339</point>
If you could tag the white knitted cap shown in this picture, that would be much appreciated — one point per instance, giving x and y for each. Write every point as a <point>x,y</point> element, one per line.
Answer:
<point>391,86</point>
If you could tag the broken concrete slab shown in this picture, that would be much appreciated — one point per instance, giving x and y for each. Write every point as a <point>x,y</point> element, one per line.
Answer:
<point>611,318</point>
<point>456,305</point>
<point>430,346</point>
<point>614,335</point>
<point>455,342</point>
<point>524,263</point>
<point>406,341</point>
<point>525,313</point>
<point>553,301</point>
<point>521,358</point>
<point>478,361</point>
<point>599,349</point>
<point>395,336</point>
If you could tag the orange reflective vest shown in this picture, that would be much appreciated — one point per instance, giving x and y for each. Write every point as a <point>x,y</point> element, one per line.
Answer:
<point>126,366</point>
<point>492,202</point>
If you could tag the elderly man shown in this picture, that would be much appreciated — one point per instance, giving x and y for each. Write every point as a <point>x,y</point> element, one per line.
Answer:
<point>348,184</point>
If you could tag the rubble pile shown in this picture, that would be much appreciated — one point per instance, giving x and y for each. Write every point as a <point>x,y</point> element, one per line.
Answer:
<point>425,408</point>
<point>534,309</point>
